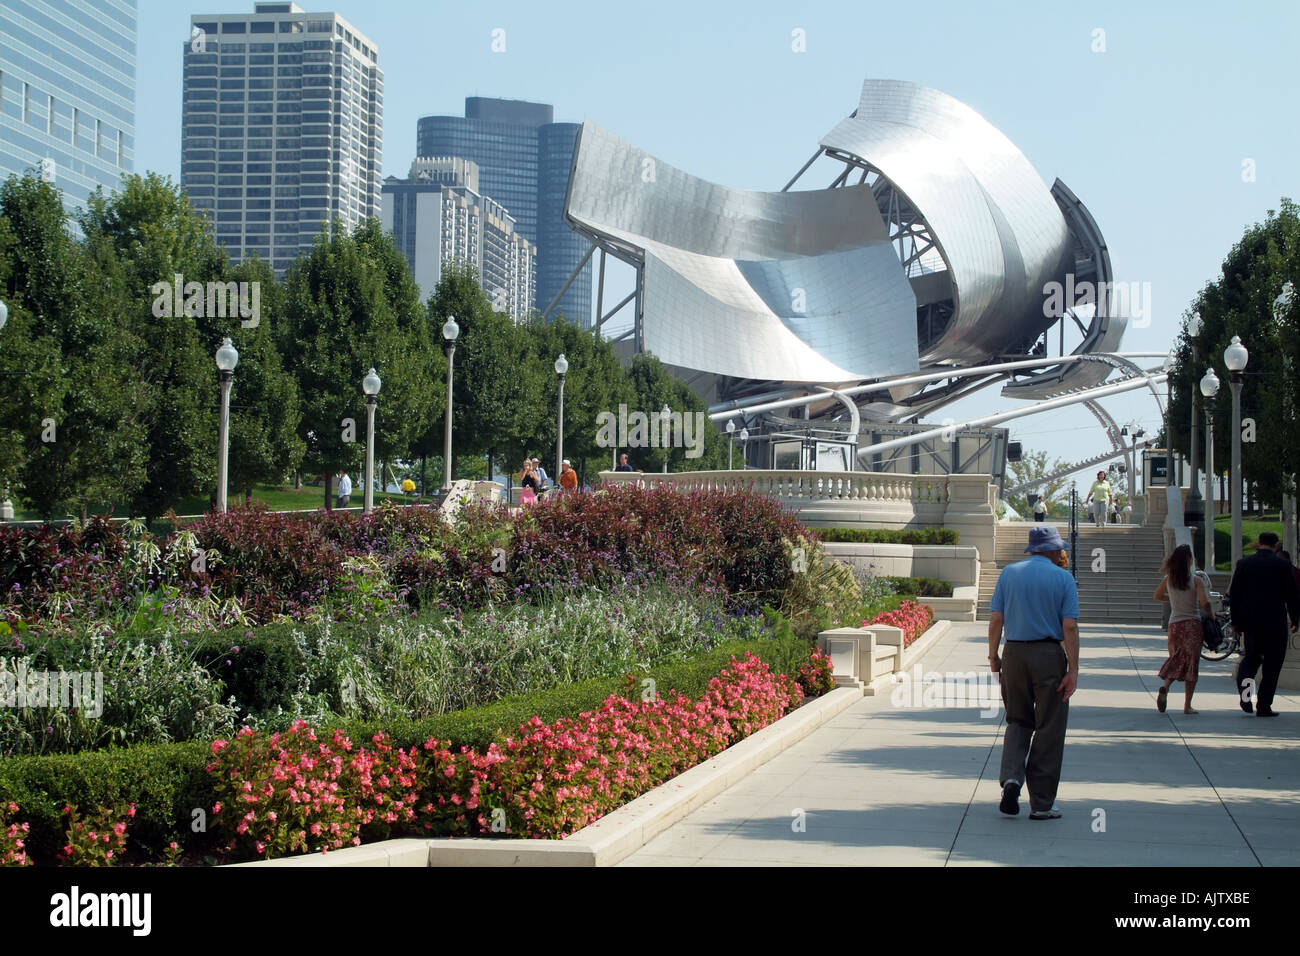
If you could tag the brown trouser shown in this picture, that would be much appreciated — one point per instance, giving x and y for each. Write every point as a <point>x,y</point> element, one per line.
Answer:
<point>1036,718</point>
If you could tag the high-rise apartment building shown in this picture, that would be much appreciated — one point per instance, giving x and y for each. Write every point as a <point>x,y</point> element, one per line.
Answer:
<point>438,217</point>
<point>67,92</point>
<point>282,126</point>
<point>524,158</point>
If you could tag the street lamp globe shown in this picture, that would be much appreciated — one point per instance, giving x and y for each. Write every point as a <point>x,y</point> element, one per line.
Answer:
<point>371,383</point>
<point>1195,325</point>
<point>1235,355</point>
<point>1169,362</point>
<point>450,329</point>
<point>227,356</point>
<point>1210,384</point>
<point>744,434</point>
<point>561,365</point>
<point>731,426</point>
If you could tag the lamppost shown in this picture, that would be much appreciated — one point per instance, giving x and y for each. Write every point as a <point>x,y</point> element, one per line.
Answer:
<point>731,442</point>
<point>449,332</point>
<point>1169,438</point>
<point>561,366</point>
<point>227,359</point>
<point>1194,511</point>
<point>1235,357</point>
<point>370,385</point>
<point>1209,388</point>
<point>6,506</point>
<point>1281,306</point>
<point>665,423</point>
<point>744,448</point>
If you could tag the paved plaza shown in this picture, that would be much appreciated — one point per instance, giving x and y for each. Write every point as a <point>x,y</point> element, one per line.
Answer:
<point>883,784</point>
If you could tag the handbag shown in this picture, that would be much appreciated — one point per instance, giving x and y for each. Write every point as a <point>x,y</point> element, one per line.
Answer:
<point>1211,632</point>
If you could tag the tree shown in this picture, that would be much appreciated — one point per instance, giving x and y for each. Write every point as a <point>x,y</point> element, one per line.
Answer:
<point>349,305</point>
<point>595,383</point>
<point>70,435</point>
<point>496,379</point>
<point>1240,302</point>
<point>655,387</point>
<point>264,442</point>
<point>1030,467</point>
<point>142,237</point>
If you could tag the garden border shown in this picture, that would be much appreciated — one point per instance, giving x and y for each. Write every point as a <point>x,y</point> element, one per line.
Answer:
<point>614,836</point>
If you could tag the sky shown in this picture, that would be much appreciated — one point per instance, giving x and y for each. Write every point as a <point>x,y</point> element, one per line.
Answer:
<point>1173,122</point>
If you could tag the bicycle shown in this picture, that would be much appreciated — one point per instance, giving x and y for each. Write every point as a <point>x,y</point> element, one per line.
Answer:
<point>1231,645</point>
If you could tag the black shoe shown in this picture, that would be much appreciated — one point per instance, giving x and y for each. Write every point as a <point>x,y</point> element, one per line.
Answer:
<point>1010,804</point>
<point>1246,705</point>
<point>1266,712</point>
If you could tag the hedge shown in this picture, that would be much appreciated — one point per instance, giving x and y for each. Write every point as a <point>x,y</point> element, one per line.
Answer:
<point>168,782</point>
<point>920,586</point>
<point>889,535</point>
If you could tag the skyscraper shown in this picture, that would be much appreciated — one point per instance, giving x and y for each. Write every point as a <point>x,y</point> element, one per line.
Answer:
<point>438,217</point>
<point>524,158</point>
<point>282,126</point>
<point>67,92</point>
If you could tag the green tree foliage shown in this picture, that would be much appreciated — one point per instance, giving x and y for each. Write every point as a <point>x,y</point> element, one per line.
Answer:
<point>655,387</point>
<point>497,378</point>
<point>351,304</point>
<point>1240,302</point>
<point>1033,465</point>
<point>143,237</point>
<point>265,413</point>
<point>69,427</point>
<point>594,383</point>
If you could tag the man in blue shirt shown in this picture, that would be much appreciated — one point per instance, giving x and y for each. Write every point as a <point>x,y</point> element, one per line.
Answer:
<point>1036,603</point>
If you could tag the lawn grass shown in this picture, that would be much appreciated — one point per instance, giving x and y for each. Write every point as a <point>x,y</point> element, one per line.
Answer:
<point>1251,526</point>
<point>275,497</point>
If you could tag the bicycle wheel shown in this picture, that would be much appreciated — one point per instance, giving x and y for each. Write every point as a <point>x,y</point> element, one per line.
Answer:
<point>1226,649</point>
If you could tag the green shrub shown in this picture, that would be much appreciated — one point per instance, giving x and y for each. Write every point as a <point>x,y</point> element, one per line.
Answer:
<point>169,782</point>
<point>822,593</point>
<point>921,586</point>
<point>888,535</point>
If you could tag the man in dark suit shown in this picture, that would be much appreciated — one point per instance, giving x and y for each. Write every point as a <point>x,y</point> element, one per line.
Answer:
<point>1263,594</point>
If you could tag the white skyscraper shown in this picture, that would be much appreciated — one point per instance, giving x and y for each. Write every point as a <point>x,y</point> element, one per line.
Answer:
<point>282,126</point>
<point>437,217</point>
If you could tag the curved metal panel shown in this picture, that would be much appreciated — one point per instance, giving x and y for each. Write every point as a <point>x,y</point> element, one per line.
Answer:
<point>998,228</point>
<point>799,287</point>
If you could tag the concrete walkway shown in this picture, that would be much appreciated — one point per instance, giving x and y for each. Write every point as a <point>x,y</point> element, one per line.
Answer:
<point>884,784</point>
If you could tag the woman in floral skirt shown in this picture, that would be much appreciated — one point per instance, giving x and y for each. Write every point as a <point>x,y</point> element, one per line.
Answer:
<point>1186,595</point>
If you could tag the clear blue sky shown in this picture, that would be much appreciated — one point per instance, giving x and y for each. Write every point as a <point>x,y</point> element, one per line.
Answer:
<point>1151,133</point>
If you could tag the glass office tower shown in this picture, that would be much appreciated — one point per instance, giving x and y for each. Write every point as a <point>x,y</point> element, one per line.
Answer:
<point>282,126</point>
<point>67,92</point>
<point>524,158</point>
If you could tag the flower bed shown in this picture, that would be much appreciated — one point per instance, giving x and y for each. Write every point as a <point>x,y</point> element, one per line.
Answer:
<point>914,619</point>
<point>267,795</point>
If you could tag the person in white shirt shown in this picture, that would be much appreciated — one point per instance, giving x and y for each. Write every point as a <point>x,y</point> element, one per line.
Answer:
<point>1040,510</point>
<point>345,489</point>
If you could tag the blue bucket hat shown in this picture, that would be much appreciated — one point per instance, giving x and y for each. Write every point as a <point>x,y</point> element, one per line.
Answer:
<point>1045,537</point>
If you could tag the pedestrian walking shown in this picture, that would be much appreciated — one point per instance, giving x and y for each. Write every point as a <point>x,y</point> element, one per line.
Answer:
<point>1185,592</point>
<point>1036,604</point>
<point>568,477</point>
<point>622,463</point>
<point>1040,510</point>
<point>543,479</point>
<point>528,484</point>
<point>345,490</point>
<point>1263,595</point>
<point>1099,496</point>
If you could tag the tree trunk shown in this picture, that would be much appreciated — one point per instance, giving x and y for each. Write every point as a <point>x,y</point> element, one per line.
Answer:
<point>297,479</point>
<point>423,458</point>
<point>329,502</point>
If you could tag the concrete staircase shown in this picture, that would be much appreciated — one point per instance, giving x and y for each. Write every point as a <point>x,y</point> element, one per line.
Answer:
<point>1122,594</point>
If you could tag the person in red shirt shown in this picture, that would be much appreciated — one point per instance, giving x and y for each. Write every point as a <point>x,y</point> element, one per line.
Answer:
<point>568,477</point>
